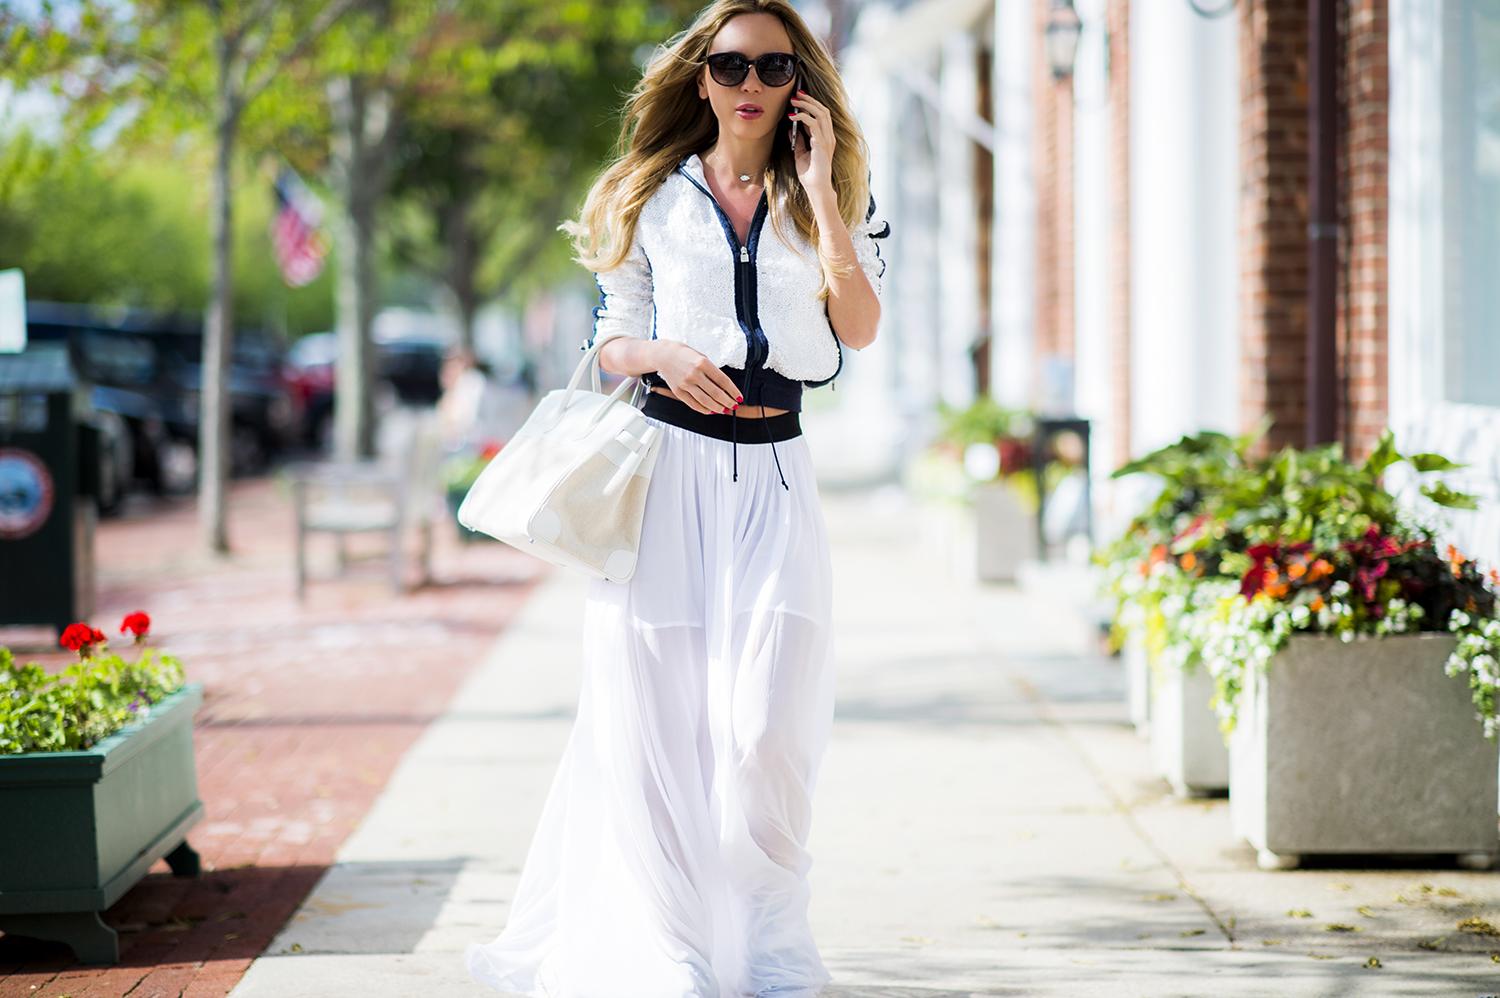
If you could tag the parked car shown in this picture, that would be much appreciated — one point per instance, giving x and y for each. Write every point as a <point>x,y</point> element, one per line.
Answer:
<point>144,369</point>
<point>412,365</point>
<point>407,372</point>
<point>265,417</point>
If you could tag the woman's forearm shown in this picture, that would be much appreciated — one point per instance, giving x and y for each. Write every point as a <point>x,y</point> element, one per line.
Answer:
<point>628,356</point>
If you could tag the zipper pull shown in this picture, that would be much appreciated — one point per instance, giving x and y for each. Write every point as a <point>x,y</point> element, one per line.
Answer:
<point>744,254</point>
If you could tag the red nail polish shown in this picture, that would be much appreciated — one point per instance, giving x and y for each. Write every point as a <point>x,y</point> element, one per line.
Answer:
<point>739,398</point>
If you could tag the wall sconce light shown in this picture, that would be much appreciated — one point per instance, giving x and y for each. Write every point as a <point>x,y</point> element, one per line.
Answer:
<point>1209,13</point>
<point>1061,38</point>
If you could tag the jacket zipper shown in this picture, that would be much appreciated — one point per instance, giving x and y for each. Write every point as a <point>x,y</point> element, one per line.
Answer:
<point>756,345</point>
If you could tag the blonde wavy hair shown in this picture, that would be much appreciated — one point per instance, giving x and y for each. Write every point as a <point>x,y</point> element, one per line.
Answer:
<point>665,121</point>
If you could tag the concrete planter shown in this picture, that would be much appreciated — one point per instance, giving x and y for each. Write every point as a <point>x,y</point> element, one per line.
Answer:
<point>80,828</point>
<point>1186,744</point>
<point>1137,662</point>
<point>947,527</point>
<point>1004,533</point>
<point>1365,747</point>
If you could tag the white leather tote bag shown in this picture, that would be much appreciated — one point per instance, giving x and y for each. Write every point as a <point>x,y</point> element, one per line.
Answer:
<point>570,485</point>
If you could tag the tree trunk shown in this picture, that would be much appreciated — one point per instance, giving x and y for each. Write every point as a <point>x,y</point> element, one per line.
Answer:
<point>362,133</point>
<point>464,248</point>
<point>214,410</point>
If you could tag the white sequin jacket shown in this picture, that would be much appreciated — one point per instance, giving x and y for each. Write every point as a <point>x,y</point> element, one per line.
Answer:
<point>752,309</point>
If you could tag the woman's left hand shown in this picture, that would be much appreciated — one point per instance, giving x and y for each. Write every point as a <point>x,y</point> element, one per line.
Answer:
<point>815,123</point>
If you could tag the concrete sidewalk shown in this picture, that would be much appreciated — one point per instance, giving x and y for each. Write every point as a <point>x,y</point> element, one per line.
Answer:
<point>986,823</point>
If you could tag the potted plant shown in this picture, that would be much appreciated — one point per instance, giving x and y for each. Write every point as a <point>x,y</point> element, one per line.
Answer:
<point>1151,579</point>
<point>97,782</point>
<point>977,480</point>
<point>460,471</point>
<point>1354,662</point>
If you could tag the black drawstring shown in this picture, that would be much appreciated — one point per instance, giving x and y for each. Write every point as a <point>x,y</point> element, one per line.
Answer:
<point>734,432</point>
<point>767,425</point>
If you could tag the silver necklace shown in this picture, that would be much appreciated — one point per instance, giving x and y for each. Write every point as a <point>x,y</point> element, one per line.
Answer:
<point>745,177</point>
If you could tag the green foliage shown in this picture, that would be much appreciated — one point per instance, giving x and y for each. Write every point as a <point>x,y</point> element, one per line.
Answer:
<point>941,472</point>
<point>81,705</point>
<point>1194,471</point>
<point>133,233</point>
<point>505,111</point>
<point>85,231</point>
<point>1318,496</point>
<point>460,471</point>
<point>984,421</point>
<point>1236,555</point>
<point>505,146</point>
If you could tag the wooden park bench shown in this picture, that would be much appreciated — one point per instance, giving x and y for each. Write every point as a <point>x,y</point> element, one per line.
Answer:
<point>389,494</point>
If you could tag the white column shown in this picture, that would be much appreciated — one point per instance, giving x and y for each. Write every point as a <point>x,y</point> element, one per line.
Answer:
<point>958,284</point>
<point>1093,349</point>
<point>1013,280</point>
<point>1184,242</point>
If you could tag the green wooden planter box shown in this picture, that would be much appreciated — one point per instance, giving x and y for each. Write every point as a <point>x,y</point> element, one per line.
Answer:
<point>80,828</point>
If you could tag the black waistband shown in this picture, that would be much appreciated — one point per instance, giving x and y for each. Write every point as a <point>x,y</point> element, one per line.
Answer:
<point>751,429</point>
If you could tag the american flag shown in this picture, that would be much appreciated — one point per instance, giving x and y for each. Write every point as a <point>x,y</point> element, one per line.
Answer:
<point>299,243</point>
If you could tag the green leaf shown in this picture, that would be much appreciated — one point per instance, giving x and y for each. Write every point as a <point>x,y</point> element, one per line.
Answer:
<point>1384,455</point>
<point>1433,462</point>
<point>1441,494</point>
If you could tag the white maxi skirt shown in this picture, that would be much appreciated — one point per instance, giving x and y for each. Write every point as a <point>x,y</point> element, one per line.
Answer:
<point>670,858</point>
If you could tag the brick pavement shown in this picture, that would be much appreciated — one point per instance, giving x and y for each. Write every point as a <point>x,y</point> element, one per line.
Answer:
<point>307,710</point>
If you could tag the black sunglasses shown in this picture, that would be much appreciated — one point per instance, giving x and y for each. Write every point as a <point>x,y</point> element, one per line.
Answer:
<point>775,69</point>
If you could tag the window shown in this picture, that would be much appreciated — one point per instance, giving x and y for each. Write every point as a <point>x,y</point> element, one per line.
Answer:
<point>1470,287</point>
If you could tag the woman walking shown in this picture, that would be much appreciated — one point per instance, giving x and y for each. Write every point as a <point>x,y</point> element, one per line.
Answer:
<point>734,262</point>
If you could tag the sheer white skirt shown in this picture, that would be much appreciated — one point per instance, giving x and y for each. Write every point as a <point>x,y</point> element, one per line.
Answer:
<point>670,859</point>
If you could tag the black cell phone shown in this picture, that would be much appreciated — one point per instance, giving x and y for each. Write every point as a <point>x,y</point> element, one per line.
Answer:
<point>796,85</point>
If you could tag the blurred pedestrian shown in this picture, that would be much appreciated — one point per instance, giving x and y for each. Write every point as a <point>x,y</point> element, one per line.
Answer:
<point>464,385</point>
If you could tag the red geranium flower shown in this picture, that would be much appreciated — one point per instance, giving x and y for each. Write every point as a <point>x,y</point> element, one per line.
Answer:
<point>82,638</point>
<point>137,623</point>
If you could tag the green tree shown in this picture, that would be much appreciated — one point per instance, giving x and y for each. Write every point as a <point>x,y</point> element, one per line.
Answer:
<point>487,169</point>
<point>154,66</point>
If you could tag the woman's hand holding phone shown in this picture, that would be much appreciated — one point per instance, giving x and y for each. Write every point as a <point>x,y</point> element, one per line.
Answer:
<point>813,156</point>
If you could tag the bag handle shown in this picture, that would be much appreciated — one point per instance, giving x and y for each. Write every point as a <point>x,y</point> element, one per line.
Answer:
<point>590,362</point>
<point>594,372</point>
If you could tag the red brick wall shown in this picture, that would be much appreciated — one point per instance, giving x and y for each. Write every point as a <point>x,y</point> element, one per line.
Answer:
<point>1273,215</point>
<point>1118,317</point>
<point>1054,189</point>
<point>1364,146</point>
<point>1273,236</point>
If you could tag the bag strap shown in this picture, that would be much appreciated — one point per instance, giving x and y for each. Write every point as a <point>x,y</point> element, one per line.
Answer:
<point>590,362</point>
<point>642,388</point>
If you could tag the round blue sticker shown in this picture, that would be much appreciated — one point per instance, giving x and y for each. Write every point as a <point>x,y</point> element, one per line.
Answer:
<point>25,493</point>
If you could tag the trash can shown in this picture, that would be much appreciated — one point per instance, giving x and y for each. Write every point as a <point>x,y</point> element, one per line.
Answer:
<point>1044,450</point>
<point>49,467</point>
